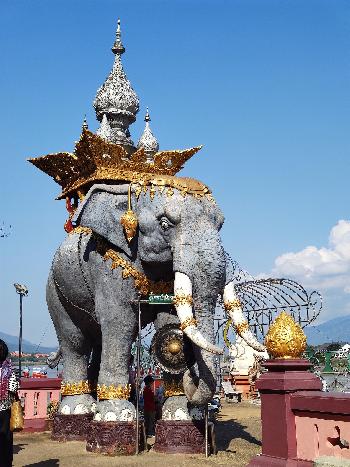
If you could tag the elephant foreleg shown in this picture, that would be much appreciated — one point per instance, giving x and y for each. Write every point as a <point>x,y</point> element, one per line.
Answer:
<point>118,324</point>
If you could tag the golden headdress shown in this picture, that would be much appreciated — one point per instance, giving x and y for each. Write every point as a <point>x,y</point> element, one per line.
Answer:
<point>110,153</point>
<point>95,159</point>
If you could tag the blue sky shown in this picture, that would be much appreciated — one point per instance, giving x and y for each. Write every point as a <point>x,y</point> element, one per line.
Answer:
<point>264,86</point>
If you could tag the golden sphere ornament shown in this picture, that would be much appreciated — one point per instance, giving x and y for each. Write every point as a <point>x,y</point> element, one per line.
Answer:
<point>285,338</point>
<point>174,346</point>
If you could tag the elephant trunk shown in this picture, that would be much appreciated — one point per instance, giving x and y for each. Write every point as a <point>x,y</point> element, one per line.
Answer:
<point>199,265</point>
<point>234,310</point>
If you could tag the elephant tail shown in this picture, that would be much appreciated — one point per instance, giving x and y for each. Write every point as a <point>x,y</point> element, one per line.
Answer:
<point>54,358</point>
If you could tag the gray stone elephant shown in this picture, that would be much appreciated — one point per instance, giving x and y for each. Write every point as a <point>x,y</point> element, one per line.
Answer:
<point>97,273</point>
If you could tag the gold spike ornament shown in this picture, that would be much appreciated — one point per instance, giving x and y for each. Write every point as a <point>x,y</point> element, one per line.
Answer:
<point>129,220</point>
<point>285,338</point>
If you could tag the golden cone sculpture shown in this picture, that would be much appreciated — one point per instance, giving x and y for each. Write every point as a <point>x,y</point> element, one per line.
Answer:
<point>285,338</point>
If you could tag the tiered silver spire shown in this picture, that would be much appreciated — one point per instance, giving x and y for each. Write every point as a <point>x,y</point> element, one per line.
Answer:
<point>148,141</point>
<point>85,125</point>
<point>116,103</point>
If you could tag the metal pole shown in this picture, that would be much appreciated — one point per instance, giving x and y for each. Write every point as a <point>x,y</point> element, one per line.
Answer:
<point>138,350</point>
<point>20,337</point>
<point>206,430</point>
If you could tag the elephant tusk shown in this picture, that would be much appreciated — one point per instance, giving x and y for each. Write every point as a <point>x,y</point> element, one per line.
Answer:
<point>183,305</point>
<point>234,310</point>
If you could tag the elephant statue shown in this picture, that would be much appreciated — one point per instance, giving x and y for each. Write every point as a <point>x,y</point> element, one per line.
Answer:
<point>101,269</point>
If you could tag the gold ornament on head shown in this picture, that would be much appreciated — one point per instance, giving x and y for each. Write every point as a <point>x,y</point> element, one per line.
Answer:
<point>285,338</point>
<point>95,159</point>
<point>129,220</point>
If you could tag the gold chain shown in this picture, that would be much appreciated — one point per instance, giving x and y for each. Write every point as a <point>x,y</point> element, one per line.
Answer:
<point>141,281</point>
<point>113,392</point>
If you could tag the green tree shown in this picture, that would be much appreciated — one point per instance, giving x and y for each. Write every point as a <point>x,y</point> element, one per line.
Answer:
<point>334,346</point>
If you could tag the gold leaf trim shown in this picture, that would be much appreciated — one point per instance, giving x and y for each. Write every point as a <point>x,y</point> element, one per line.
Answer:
<point>141,281</point>
<point>182,299</point>
<point>173,388</point>
<point>241,327</point>
<point>78,388</point>
<point>81,230</point>
<point>188,322</point>
<point>232,304</point>
<point>113,392</point>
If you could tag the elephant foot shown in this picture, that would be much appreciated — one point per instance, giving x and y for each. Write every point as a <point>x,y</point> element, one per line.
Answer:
<point>77,405</point>
<point>178,408</point>
<point>115,410</point>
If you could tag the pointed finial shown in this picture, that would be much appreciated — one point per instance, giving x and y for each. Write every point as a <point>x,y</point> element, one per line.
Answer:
<point>148,141</point>
<point>85,125</point>
<point>118,47</point>
<point>105,130</point>
<point>147,116</point>
<point>117,100</point>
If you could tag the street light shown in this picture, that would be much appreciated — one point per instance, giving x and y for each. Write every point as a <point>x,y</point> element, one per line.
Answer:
<point>23,292</point>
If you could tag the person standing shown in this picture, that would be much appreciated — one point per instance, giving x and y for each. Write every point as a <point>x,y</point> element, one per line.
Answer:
<point>8,392</point>
<point>149,408</point>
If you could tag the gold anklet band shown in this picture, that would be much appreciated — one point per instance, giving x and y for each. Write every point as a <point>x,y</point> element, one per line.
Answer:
<point>76,389</point>
<point>113,392</point>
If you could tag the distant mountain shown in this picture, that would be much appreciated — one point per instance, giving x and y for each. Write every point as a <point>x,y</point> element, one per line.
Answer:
<point>334,330</point>
<point>27,347</point>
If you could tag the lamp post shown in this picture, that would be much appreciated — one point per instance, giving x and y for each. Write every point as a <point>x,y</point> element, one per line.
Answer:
<point>22,291</point>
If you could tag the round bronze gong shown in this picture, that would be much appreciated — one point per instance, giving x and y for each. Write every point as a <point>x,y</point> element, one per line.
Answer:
<point>172,350</point>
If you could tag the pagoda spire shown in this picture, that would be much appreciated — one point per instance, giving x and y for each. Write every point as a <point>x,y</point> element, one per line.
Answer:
<point>117,100</point>
<point>85,125</point>
<point>118,47</point>
<point>148,141</point>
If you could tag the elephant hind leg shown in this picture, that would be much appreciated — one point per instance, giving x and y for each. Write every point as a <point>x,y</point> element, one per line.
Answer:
<point>76,350</point>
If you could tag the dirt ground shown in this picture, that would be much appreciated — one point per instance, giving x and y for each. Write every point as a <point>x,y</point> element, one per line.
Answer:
<point>238,435</point>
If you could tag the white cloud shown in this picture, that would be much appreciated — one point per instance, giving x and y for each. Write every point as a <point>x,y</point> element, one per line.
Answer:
<point>324,268</point>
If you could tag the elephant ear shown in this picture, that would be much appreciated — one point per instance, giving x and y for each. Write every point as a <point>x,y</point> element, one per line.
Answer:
<point>101,211</point>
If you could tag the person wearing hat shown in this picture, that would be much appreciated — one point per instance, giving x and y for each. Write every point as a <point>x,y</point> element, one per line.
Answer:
<point>149,409</point>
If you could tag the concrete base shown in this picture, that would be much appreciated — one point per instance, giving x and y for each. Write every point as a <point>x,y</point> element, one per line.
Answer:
<point>115,438</point>
<point>183,437</point>
<point>71,427</point>
<point>36,425</point>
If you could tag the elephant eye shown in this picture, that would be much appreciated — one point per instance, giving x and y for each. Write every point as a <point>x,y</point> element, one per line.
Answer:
<point>164,223</point>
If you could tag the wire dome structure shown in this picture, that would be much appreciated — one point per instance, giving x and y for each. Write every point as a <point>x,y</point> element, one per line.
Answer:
<point>263,299</point>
